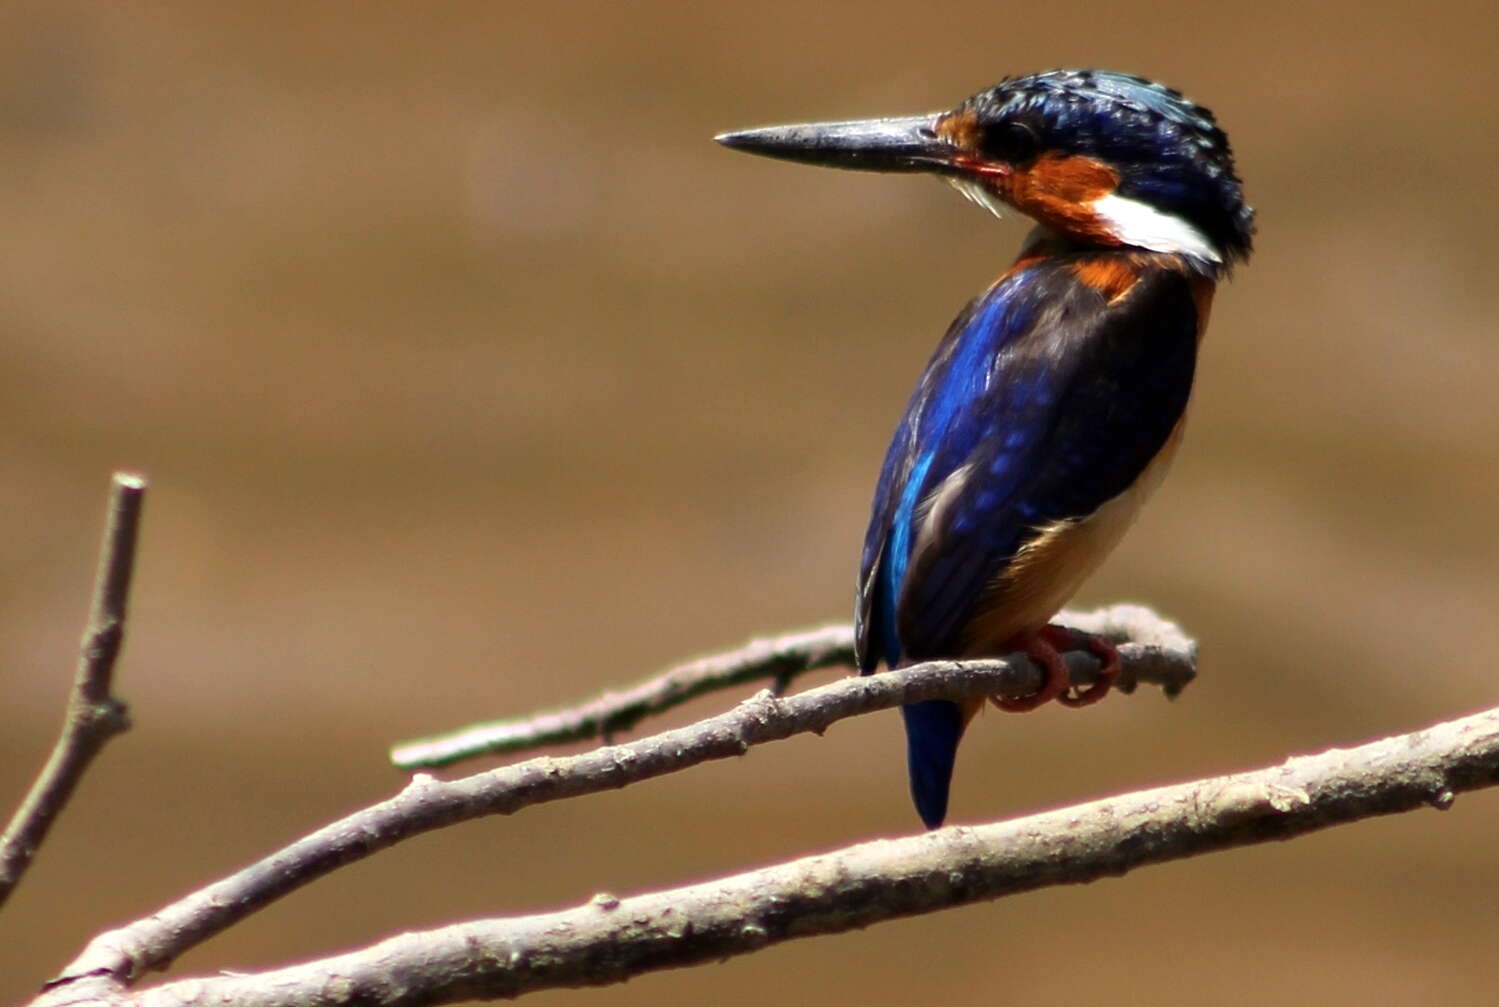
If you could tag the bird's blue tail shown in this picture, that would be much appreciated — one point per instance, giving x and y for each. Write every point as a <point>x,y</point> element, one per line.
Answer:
<point>932,733</point>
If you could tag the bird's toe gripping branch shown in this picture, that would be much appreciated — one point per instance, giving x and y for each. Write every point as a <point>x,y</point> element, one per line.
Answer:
<point>1044,647</point>
<point>1108,655</point>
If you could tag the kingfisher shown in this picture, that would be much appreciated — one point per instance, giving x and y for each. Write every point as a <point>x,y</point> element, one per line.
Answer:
<point>1054,404</point>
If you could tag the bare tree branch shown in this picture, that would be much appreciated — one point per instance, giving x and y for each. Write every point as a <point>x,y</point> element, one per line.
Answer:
<point>610,939</point>
<point>779,659</point>
<point>425,804</point>
<point>94,715</point>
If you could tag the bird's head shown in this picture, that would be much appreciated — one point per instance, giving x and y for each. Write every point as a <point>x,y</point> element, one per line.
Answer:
<point>1102,158</point>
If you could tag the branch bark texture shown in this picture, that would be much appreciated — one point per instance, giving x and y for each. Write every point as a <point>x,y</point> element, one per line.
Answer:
<point>94,714</point>
<point>122,955</point>
<point>610,939</point>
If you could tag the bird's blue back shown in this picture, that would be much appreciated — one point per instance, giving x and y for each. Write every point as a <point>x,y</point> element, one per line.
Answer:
<point>1044,401</point>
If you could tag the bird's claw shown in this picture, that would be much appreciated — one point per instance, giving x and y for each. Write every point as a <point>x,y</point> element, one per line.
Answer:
<point>1044,647</point>
<point>1108,655</point>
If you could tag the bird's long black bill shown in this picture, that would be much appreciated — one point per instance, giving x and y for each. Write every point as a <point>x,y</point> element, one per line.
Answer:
<point>907,144</point>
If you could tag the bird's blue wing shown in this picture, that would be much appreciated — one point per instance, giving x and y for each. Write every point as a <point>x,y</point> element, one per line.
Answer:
<point>1044,401</point>
<point>1091,400</point>
<point>917,460</point>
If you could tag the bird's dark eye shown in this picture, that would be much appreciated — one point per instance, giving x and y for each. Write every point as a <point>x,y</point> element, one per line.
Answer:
<point>1013,142</point>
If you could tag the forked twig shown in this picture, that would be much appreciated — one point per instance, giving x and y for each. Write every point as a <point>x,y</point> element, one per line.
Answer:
<point>94,714</point>
<point>118,957</point>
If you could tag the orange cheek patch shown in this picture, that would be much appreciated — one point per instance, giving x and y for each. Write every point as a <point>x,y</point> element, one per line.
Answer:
<point>1073,178</point>
<point>1057,190</point>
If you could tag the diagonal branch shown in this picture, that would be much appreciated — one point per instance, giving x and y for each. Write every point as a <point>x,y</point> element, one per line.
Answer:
<point>118,957</point>
<point>778,659</point>
<point>94,715</point>
<point>610,939</point>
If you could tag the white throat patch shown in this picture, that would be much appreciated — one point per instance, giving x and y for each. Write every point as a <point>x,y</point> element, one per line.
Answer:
<point>1142,225</point>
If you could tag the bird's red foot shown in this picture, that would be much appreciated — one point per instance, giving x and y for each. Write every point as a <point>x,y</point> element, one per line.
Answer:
<point>1103,648</point>
<point>1041,648</point>
<point>1044,646</point>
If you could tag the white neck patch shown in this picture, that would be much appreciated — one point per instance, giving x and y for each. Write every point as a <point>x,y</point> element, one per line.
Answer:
<point>1142,225</point>
<point>1129,220</point>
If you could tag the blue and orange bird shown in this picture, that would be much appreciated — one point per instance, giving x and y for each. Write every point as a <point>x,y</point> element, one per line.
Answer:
<point>1052,407</point>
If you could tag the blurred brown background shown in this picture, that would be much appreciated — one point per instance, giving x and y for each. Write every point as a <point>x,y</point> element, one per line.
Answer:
<point>471,378</point>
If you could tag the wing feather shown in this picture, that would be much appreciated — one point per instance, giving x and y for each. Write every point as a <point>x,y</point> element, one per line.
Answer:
<point>1043,402</point>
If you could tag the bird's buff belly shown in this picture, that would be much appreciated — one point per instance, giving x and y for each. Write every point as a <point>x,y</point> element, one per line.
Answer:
<point>1050,568</point>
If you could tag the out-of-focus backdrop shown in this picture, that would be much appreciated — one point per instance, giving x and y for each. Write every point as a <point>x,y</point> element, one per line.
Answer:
<point>471,378</point>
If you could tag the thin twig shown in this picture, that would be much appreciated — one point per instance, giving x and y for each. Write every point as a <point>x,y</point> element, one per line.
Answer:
<point>119,956</point>
<point>608,939</point>
<point>94,714</point>
<point>778,659</point>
